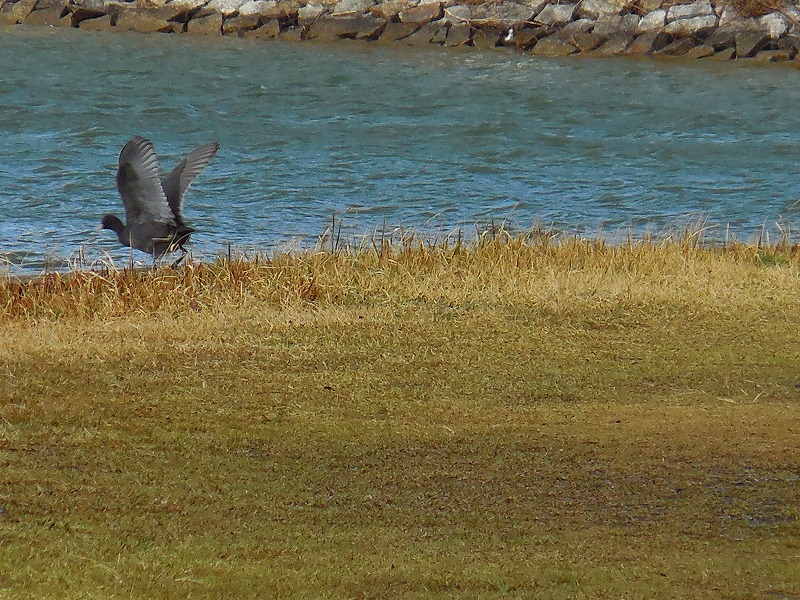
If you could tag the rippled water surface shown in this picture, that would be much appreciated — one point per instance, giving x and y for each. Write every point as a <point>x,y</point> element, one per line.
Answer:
<point>424,139</point>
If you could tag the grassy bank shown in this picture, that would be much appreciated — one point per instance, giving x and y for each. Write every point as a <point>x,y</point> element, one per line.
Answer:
<point>520,418</point>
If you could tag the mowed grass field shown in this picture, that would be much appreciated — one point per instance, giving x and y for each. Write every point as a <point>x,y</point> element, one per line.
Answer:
<point>520,418</point>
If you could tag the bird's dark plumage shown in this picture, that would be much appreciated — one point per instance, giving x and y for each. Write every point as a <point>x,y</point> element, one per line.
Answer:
<point>153,218</point>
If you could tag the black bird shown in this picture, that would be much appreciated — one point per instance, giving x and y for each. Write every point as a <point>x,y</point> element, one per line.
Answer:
<point>153,219</point>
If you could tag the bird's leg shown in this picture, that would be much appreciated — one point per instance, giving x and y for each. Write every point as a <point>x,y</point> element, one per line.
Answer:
<point>180,258</point>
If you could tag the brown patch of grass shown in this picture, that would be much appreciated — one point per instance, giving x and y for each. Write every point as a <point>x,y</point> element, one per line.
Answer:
<point>757,8</point>
<point>519,418</point>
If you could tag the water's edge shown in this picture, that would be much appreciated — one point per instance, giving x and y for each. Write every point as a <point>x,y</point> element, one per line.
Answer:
<point>760,32</point>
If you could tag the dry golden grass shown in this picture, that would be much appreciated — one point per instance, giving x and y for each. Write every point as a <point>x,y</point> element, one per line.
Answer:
<point>518,418</point>
<point>758,8</point>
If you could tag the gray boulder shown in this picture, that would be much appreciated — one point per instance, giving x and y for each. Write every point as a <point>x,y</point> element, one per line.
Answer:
<point>650,41</point>
<point>310,12</point>
<point>592,9</point>
<point>352,6</point>
<point>389,10</point>
<point>613,46</point>
<point>556,14</point>
<point>553,45</point>
<point>206,25</point>
<point>722,37</point>
<point>610,25</point>
<point>224,7</point>
<point>575,27</point>
<point>700,8</point>
<point>695,26</point>
<point>677,47</point>
<point>503,15</point>
<point>750,43</point>
<point>426,33</point>
<point>256,7</point>
<point>701,51</point>
<point>458,34</point>
<point>424,13</point>
<point>16,12</point>
<point>268,31</point>
<point>346,27</point>
<point>460,13</point>
<point>653,21</point>
<point>143,21</point>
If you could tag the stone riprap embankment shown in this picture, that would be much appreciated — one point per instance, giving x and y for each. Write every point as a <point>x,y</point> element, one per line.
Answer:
<point>759,30</point>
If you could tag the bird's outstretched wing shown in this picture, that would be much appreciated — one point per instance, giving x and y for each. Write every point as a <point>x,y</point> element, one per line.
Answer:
<point>180,178</point>
<point>139,184</point>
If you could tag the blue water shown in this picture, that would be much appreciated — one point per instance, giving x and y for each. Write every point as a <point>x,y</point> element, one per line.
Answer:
<point>423,139</point>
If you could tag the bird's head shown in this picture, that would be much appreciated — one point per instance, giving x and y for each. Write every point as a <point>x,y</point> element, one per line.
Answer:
<point>113,223</point>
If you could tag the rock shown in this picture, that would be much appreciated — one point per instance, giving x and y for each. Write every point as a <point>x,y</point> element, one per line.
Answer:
<point>352,6</point>
<point>101,23</point>
<point>700,8</point>
<point>458,34</point>
<point>553,45</point>
<point>586,42</point>
<point>17,12</point>
<point>723,55</point>
<point>460,13</point>
<point>730,16</point>
<point>440,36</point>
<point>96,5</point>
<point>677,47</point>
<point>388,10</point>
<point>569,30</point>
<point>51,17</point>
<point>592,9</point>
<point>653,21</point>
<point>614,45</point>
<point>608,25</point>
<point>142,21</point>
<point>423,13</point>
<point>269,9</point>
<point>256,7</point>
<point>749,43</point>
<point>695,26</point>
<point>790,42</point>
<point>630,24</point>
<point>268,31</point>
<point>224,7</point>
<point>79,14</point>
<point>486,37</point>
<point>775,24</point>
<point>239,24</point>
<point>505,15</point>
<point>771,56</point>
<point>425,34</point>
<point>526,38</point>
<point>702,51</point>
<point>292,34</point>
<point>206,25</point>
<point>396,31</point>
<point>556,14</point>
<point>185,6</point>
<point>722,37</point>
<point>648,42</point>
<point>310,12</point>
<point>346,27</point>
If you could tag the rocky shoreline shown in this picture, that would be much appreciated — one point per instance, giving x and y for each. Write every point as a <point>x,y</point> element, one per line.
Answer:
<point>757,30</point>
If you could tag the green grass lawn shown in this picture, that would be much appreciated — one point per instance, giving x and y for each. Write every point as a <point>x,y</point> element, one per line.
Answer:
<point>510,420</point>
